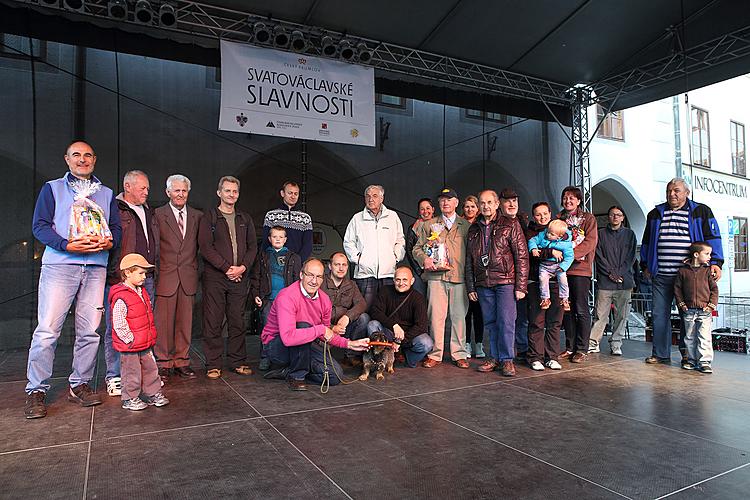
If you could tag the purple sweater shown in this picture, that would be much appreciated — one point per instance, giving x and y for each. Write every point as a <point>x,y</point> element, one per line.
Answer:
<point>291,307</point>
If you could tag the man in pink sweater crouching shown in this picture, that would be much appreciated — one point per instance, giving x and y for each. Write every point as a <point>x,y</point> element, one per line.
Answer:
<point>297,329</point>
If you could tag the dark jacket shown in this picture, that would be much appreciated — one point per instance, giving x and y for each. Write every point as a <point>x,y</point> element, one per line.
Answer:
<point>133,239</point>
<point>695,288</point>
<point>345,299</point>
<point>508,255</point>
<point>411,241</point>
<point>530,231</point>
<point>260,274</point>
<point>703,227</point>
<point>216,246</point>
<point>411,317</point>
<point>615,256</point>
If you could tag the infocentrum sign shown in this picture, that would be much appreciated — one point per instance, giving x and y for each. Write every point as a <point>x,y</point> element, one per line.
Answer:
<point>718,186</point>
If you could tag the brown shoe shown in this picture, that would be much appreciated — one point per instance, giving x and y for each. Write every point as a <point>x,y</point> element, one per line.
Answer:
<point>430,363</point>
<point>400,358</point>
<point>578,357</point>
<point>564,354</point>
<point>243,370</point>
<point>565,303</point>
<point>545,303</point>
<point>488,366</point>
<point>213,373</point>
<point>509,369</point>
<point>462,363</point>
<point>296,385</point>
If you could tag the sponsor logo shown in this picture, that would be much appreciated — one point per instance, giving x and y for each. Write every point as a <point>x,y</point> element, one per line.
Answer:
<point>241,119</point>
<point>354,133</point>
<point>270,125</point>
<point>324,126</point>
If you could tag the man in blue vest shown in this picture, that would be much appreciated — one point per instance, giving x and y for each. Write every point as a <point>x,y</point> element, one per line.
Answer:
<point>73,268</point>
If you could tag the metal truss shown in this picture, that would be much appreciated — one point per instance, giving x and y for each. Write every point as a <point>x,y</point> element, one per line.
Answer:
<point>200,20</point>
<point>579,156</point>
<point>720,50</point>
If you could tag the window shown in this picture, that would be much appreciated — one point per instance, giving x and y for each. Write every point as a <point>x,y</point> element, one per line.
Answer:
<point>487,115</point>
<point>390,101</point>
<point>701,143</point>
<point>613,126</point>
<point>17,47</point>
<point>737,143</point>
<point>740,244</point>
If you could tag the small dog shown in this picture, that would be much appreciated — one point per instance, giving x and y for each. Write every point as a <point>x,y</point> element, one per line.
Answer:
<point>378,357</point>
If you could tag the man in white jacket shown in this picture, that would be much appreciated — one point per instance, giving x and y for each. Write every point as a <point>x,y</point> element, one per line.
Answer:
<point>374,244</point>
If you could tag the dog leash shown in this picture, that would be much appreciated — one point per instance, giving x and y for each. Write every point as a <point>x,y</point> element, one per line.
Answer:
<point>326,383</point>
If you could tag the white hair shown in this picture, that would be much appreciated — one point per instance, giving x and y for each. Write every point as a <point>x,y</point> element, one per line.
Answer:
<point>375,186</point>
<point>679,180</point>
<point>179,178</point>
<point>132,175</point>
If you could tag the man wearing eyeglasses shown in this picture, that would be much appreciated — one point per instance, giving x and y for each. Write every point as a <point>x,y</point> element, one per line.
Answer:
<point>297,328</point>
<point>615,256</point>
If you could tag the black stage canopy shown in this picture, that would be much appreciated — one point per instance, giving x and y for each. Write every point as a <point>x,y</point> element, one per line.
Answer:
<point>513,57</point>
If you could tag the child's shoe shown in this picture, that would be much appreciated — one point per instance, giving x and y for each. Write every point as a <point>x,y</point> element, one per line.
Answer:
<point>687,365</point>
<point>114,386</point>
<point>545,303</point>
<point>134,404</point>
<point>468,350</point>
<point>705,367</point>
<point>157,399</point>
<point>565,303</point>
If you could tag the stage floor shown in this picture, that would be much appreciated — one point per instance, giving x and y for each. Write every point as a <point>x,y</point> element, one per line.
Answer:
<point>608,428</point>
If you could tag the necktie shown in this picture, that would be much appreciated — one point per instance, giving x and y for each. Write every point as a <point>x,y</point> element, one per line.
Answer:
<point>181,223</point>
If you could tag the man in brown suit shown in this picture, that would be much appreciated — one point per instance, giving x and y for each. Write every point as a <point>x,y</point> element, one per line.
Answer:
<point>178,279</point>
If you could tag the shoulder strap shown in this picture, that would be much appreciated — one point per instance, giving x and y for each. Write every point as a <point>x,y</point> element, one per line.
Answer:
<point>401,304</point>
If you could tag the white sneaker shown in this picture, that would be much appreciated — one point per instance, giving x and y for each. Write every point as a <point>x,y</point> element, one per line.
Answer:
<point>616,350</point>
<point>537,366</point>
<point>114,386</point>
<point>553,365</point>
<point>468,350</point>
<point>593,346</point>
<point>479,351</point>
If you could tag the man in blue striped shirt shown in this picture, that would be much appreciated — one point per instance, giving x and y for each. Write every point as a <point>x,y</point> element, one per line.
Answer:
<point>670,229</point>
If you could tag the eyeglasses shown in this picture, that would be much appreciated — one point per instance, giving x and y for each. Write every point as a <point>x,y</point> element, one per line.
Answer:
<point>616,215</point>
<point>316,277</point>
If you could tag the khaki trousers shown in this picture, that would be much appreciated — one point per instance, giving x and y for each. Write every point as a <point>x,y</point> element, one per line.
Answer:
<point>446,298</point>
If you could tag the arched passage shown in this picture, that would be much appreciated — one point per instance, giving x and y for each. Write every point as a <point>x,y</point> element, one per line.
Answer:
<point>613,190</point>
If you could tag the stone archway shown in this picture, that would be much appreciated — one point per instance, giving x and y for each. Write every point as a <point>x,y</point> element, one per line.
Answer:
<point>613,190</point>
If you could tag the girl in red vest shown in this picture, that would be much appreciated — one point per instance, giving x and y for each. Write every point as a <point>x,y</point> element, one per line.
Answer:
<point>134,334</point>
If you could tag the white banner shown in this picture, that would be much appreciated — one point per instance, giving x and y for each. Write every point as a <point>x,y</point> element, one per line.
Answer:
<point>271,92</point>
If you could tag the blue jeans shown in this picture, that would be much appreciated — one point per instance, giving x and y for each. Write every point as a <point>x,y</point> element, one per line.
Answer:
<point>499,311</point>
<point>414,350</point>
<point>111,356</point>
<point>356,330</point>
<point>663,294</point>
<point>304,361</point>
<point>59,286</point>
<point>698,335</point>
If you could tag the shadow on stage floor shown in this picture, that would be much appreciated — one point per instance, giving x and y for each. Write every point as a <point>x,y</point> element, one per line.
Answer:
<point>612,427</point>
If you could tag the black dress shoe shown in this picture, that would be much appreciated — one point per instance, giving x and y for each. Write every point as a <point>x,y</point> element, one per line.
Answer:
<point>164,373</point>
<point>296,385</point>
<point>277,374</point>
<point>184,372</point>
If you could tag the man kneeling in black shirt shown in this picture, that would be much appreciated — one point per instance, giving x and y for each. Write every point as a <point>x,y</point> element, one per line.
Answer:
<point>401,314</point>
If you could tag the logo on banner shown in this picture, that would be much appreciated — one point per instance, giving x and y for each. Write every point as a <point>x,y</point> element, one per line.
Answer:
<point>270,125</point>
<point>354,133</point>
<point>324,130</point>
<point>241,119</point>
<point>324,126</point>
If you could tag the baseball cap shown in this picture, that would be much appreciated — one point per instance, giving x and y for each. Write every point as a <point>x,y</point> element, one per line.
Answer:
<point>447,193</point>
<point>508,194</point>
<point>134,259</point>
